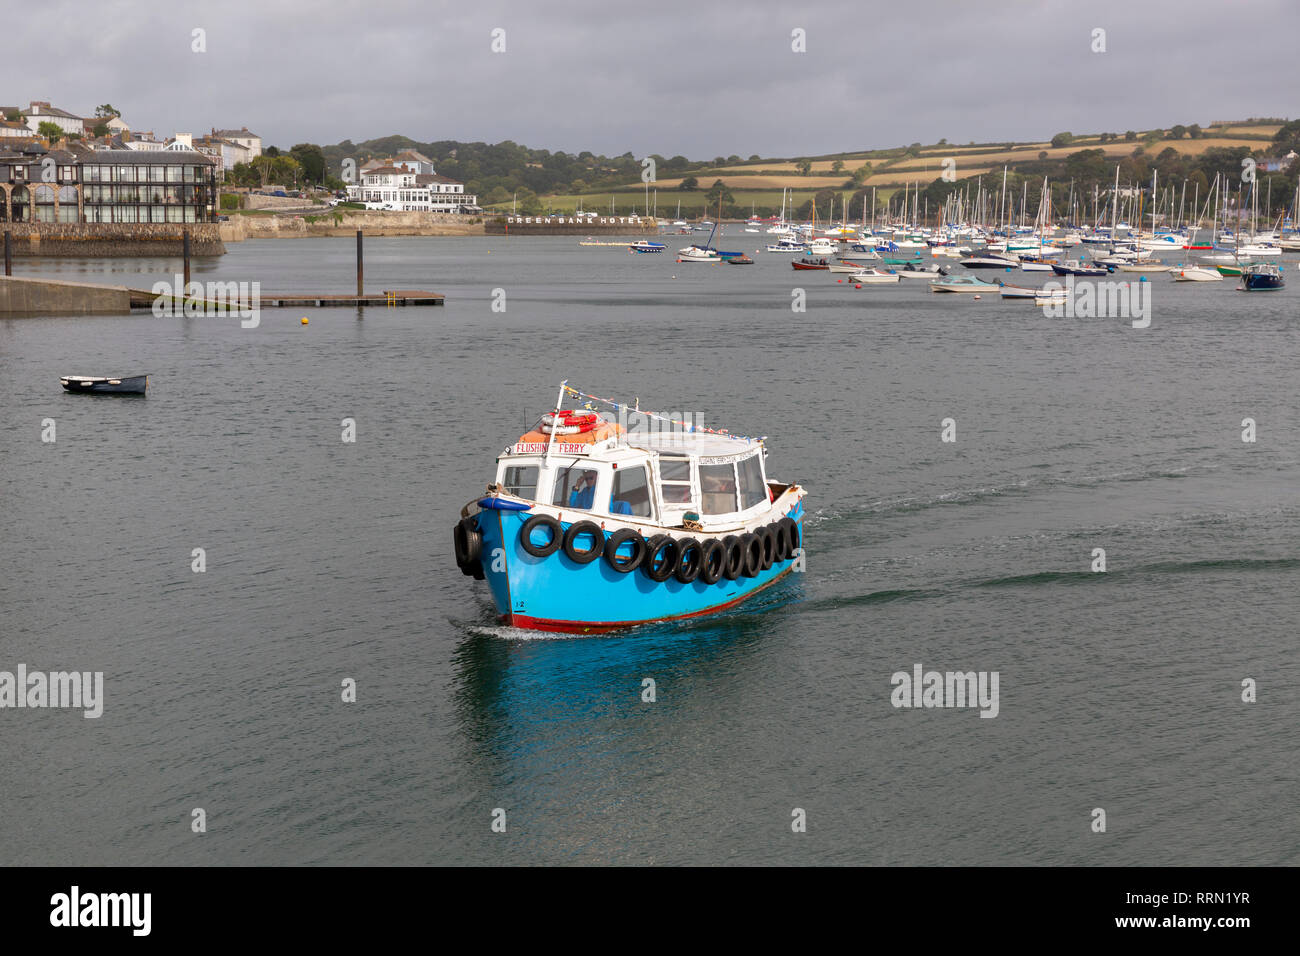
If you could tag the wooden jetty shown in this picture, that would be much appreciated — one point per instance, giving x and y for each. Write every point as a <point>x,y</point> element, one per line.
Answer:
<point>143,299</point>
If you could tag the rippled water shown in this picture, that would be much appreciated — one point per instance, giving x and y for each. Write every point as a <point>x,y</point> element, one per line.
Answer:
<point>328,560</point>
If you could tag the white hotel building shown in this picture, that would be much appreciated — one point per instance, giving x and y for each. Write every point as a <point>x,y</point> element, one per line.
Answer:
<point>400,187</point>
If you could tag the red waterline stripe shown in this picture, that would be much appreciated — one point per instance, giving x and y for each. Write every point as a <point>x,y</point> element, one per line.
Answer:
<point>600,627</point>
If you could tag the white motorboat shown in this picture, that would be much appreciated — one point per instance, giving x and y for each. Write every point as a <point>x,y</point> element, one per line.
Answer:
<point>874,277</point>
<point>787,244</point>
<point>1197,274</point>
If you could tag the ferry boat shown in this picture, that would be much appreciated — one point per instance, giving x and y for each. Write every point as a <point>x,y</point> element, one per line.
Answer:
<point>598,520</point>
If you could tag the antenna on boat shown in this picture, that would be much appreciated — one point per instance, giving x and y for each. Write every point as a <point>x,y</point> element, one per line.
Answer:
<point>550,439</point>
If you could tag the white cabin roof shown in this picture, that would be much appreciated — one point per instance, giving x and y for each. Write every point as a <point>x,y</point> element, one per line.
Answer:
<point>695,444</point>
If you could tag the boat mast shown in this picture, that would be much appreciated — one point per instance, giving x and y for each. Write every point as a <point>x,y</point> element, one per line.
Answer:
<point>1155,177</point>
<point>1002,213</point>
<point>1214,224</point>
<point>1114,211</point>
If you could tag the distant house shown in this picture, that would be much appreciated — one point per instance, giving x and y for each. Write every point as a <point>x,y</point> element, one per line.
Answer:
<point>250,141</point>
<point>14,131</point>
<point>114,123</point>
<point>1277,164</point>
<point>143,140</point>
<point>227,151</point>
<point>41,112</point>
<point>416,162</point>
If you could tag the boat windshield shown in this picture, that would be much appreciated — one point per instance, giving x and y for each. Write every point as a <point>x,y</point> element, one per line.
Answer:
<point>718,489</point>
<point>521,481</point>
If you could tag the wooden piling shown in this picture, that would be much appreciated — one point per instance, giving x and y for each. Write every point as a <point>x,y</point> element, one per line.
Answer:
<point>361,285</point>
<point>9,254</point>
<point>185,251</point>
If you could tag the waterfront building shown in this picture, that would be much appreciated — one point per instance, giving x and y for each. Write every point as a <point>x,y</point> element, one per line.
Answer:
<point>407,183</point>
<point>106,185</point>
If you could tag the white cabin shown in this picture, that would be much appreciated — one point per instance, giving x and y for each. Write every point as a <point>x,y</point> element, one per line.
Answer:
<point>658,480</point>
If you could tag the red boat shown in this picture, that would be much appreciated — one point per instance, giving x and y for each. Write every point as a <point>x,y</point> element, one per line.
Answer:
<point>810,264</point>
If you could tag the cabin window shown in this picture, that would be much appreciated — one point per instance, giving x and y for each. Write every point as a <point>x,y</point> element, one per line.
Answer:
<point>752,490</point>
<point>521,481</point>
<point>575,487</point>
<point>631,493</point>
<point>675,480</point>
<point>718,489</point>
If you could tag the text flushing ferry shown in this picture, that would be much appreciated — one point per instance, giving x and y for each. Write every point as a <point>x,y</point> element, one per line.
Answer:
<point>597,521</point>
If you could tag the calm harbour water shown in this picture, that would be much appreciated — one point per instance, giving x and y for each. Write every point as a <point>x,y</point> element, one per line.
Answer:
<point>328,560</point>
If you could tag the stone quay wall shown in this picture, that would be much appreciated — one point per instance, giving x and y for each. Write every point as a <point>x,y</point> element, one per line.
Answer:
<point>345,223</point>
<point>112,239</point>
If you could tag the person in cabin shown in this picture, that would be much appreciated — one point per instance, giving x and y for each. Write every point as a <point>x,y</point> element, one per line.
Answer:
<point>584,491</point>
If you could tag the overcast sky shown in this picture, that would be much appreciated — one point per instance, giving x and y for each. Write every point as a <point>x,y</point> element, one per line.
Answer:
<point>697,78</point>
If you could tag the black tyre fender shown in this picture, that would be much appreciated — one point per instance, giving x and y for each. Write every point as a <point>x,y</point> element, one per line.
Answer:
<point>753,549</point>
<point>690,558</point>
<point>767,537</point>
<point>591,554</point>
<point>542,550</point>
<point>616,541</point>
<point>734,563</point>
<point>660,544</point>
<point>467,544</point>
<point>713,560</point>
<point>791,533</point>
<point>781,541</point>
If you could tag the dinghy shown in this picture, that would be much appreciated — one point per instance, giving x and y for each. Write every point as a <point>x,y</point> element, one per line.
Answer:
<point>90,384</point>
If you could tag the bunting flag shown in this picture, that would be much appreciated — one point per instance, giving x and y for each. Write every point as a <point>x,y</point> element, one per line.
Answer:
<point>685,426</point>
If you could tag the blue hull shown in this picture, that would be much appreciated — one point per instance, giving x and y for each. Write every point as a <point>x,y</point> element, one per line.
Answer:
<point>1261,283</point>
<point>555,593</point>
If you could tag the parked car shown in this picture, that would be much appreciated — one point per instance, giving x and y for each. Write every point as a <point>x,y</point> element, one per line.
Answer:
<point>280,192</point>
